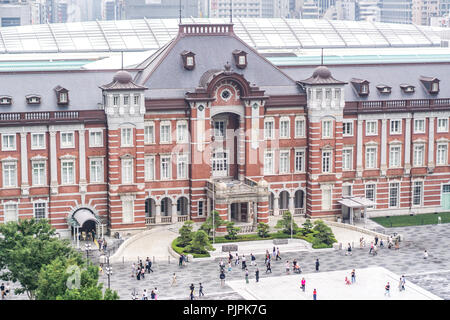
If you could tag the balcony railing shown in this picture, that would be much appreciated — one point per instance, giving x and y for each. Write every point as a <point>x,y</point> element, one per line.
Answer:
<point>52,116</point>
<point>299,211</point>
<point>395,105</point>
<point>166,219</point>
<point>150,220</point>
<point>283,211</point>
<point>183,218</point>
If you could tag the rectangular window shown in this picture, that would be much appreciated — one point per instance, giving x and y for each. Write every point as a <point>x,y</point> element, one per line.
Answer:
<point>419,125</point>
<point>149,133</point>
<point>116,101</point>
<point>9,174</point>
<point>149,168</point>
<point>441,156</point>
<point>136,100</point>
<point>337,94</point>
<point>38,173</point>
<point>370,192</point>
<point>165,132</point>
<point>396,126</point>
<point>326,199</point>
<point>394,189</point>
<point>299,128</point>
<point>182,166</point>
<point>8,142</point>
<point>127,171</point>
<point>127,211</point>
<point>347,159</point>
<point>200,208</point>
<point>126,100</point>
<point>284,128</point>
<point>268,129</point>
<point>371,128</point>
<point>11,212</point>
<point>165,168</point>
<point>326,161</point>
<point>67,140</point>
<point>95,139</point>
<point>268,162</point>
<point>419,155</point>
<point>395,156</point>
<point>327,127</point>
<point>347,191</point>
<point>219,129</point>
<point>67,172</point>
<point>96,170</point>
<point>417,193</point>
<point>299,161</point>
<point>126,135</point>
<point>442,125</point>
<point>40,210</point>
<point>182,132</point>
<point>37,141</point>
<point>371,157</point>
<point>348,129</point>
<point>284,161</point>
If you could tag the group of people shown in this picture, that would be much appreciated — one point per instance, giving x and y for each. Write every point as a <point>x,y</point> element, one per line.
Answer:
<point>182,260</point>
<point>153,295</point>
<point>139,270</point>
<point>5,290</point>
<point>102,244</point>
<point>353,278</point>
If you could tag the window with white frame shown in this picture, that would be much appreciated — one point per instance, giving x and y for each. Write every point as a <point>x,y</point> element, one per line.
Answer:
<point>126,100</point>
<point>319,96</point>
<point>394,156</point>
<point>284,161</point>
<point>268,162</point>
<point>96,170</point>
<point>127,211</point>
<point>126,137</point>
<point>419,155</point>
<point>328,97</point>
<point>371,128</point>
<point>326,161</point>
<point>285,128</point>
<point>299,160</point>
<point>327,127</point>
<point>136,99</point>
<point>337,94</point>
<point>149,168</point>
<point>347,128</point>
<point>67,140</point>
<point>396,126</point>
<point>67,172</point>
<point>219,129</point>
<point>419,125</point>
<point>149,133</point>
<point>371,157</point>
<point>182,166</point>
<point>441,154</point>
<point>127,171</point>
<point>394,189</point>
<point>347,158</point>
<point>299,127</point>
<point>95,138</point>
<point>9,174</point>
<point>269,129</point>
<point>417,193</point>
<point>326,198</point>
<point>347,190</point>
<point>11,212</point>
<point>442,125</point>
<point>38,173</point>
<point>8,142</point>
<point>115,101</point>
<point>182,131</point>
<point>370,192</point>
<point>40,210</point>
<point>164,131</point>
<point>165,167</point>
<point>37,141</point>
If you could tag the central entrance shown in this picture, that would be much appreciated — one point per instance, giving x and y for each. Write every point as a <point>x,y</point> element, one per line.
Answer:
<point>239,212</point>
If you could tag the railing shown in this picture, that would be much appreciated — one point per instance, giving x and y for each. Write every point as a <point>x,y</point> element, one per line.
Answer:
<point>283,211</point>
<point>150,220</point>
<point>53,115</point>
<point>271,212</point>
<point>299,211</point>
<point>183,218</point>
<point>396,105</point>
<point>245,229</point>
<point>166,219</point>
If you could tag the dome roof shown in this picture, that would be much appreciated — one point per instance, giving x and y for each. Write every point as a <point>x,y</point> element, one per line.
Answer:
<point>123,76</point>
<point>322,72</point>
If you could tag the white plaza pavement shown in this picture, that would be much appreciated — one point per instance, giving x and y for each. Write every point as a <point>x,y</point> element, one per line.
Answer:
<point>369,285</point>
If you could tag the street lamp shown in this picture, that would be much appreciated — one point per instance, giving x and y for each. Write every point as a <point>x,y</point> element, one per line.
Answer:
<point>108,271</point>
<point>88,248</point>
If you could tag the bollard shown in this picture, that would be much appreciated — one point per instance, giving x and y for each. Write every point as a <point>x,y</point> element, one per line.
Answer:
<point>153,259</point>
<point>123,260</point>
<point>168,258</point>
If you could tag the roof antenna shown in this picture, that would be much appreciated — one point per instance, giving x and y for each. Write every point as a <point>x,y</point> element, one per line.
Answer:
<point>179,7</point>
<point>231,11</point>
<point>321,58</point>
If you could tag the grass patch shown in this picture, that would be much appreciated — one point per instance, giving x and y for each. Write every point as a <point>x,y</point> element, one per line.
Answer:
<point>180,250</point>
<point>415,220</point>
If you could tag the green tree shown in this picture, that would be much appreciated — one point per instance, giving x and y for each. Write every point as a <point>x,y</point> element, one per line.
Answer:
<point>186,234</point>
<point>200,243</point>
<point>207,226</point>
<point>25,247</point>
<point>286,222</point>
<point>324,233</point>
<point>232,231</point>
<point>263,230</point>
<point>307,227</point>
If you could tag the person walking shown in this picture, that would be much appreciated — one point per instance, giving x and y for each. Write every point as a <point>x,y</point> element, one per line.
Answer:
<point>317,264</point>
<point>268,267</point>
<point>7,289</point>
<point>145,295</point>
<point>191,287</point>
<point>257,274</point>
<point>174,280</point>
<point>180,261</point>
<point>200,290</point>
<point>246,275</point>
<point>303,284</point>
<point>425,254</point>
<point>387,289</point>
<point>221,265</point>
<point>156,293</point>
<point>138,274</point>
<point>229,266</point>
<point>274,253</point>
<point>2,290</point>
<point>143,273</point>
<point>278,254</point>
<point>149,264</point>
<point>349,250</point>
<point>133,270</point>
<point>267,257</point>
<point>253,259</point>
<point>315,294</point>
<point>371,248</point>
<point>287,267</point>
<point>230,257</point>
<point>353,276</point>
<point>376,240</point>
<point>153,295</point>
<point>236,262</point>
<point>191,295</point>
<point>222,278</point>
<point>244,263</point>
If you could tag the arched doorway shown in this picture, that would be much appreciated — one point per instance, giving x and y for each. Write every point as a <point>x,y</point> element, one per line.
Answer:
<point>182,206</point>
<point>150,207</point>
<point>166,207</point>
<point>84,223</point>
<point>299,204</point>
<point>283,202</point>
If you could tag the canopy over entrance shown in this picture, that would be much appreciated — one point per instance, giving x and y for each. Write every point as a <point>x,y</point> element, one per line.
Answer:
<point>81,216</point>
<point>358,203</point>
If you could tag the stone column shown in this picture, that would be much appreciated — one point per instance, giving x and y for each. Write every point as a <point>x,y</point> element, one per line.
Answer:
<point>431,144</point>
<point>24,163</point>
<point>158,213</point>
<point>383,147</point>
<point>408,146</point>
<point>291,204</point>
<point>53,164</point>
<point>222,208</point>
<point>359,149</point>
<point>174,212</point>
<point>276,207</point>
<point>82,163</point>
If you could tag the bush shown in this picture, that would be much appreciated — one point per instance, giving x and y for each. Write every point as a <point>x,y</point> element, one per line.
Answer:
<point>199,244</point>
<point>232,231</point>
<point>323,233</point>
<point>207,226</point>
<point>186,234</point>
<point>285,223</point>
<point>263,230</point>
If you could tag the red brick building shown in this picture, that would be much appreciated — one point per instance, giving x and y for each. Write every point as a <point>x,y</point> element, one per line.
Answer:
<point>208,123</point>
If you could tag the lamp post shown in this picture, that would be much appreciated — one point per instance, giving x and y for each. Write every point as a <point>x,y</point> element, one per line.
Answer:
<point>108,271</point>
<point>87,248</point>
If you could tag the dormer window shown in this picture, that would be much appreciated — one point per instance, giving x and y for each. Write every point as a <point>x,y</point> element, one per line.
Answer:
<point>33,99</point>
<point>5,100</point>
<point>384,89</point>
<point>431,84</point>
<point>62,95</point>
<point>361,86</point>
<point>407,88</point>
<point>240,58</point>
<point>188,59</point>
